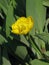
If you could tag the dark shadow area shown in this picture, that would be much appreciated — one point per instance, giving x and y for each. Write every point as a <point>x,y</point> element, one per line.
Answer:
<point>15,59</point>
<point>10,48</point>
<point>46,59</point>
<point>47,16</point>
<point>1,21</point>
<point>47,46</point>
<point>47,12</point>
<point>20,9</point>
<point>48,27</point>
<point>31,54</point>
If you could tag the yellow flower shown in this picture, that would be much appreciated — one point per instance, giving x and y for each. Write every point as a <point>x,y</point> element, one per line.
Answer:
<point>22,25</point>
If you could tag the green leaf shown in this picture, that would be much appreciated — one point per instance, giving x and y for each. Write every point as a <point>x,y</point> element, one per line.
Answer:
<point>23,39</point>
<point>46,3</point>
<point>4,3</point>
<point>9,20</point>
<point>46,24</point>
<point>18,48</point>
<point>17,17</point>
<point>2,39</point>
<point>5,58</point>
<point>36,9</point>
<point>40,43</point>
<point>35,49</point>
<point>1,15</point>
<point>21,51</point>
<point>3,8</point>
<point>47,53</point>
<point>44,37</point>
<point>38,62</point>
<point>14,3</point>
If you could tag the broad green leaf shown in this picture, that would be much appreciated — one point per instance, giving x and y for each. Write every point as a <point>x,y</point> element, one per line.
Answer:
<point>5,58</point>
<point>38,62</point>
<point>4,3</point>
<point>46,24</point>
<point>18,48</point>
<point>2,39</point>
<point>31,44</point>
<point>35,49</point>
<point>3,8</point>
<point>38,12</point>
<point>47,53</point>
<point>21,51</point>
<point>14,3</point>
<point>40,43</point>
<point>46,3</point>
<point>44,37</point>
<point>9,19</point>
<point>23,39</point>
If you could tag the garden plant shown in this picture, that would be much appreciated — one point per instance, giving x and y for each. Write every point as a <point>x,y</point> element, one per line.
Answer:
<point>24,32</point>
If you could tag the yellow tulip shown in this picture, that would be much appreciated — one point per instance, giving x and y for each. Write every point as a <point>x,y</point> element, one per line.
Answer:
<point>23,25</point>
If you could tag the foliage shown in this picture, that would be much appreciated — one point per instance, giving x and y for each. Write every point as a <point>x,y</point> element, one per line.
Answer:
<point>30,49</point>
